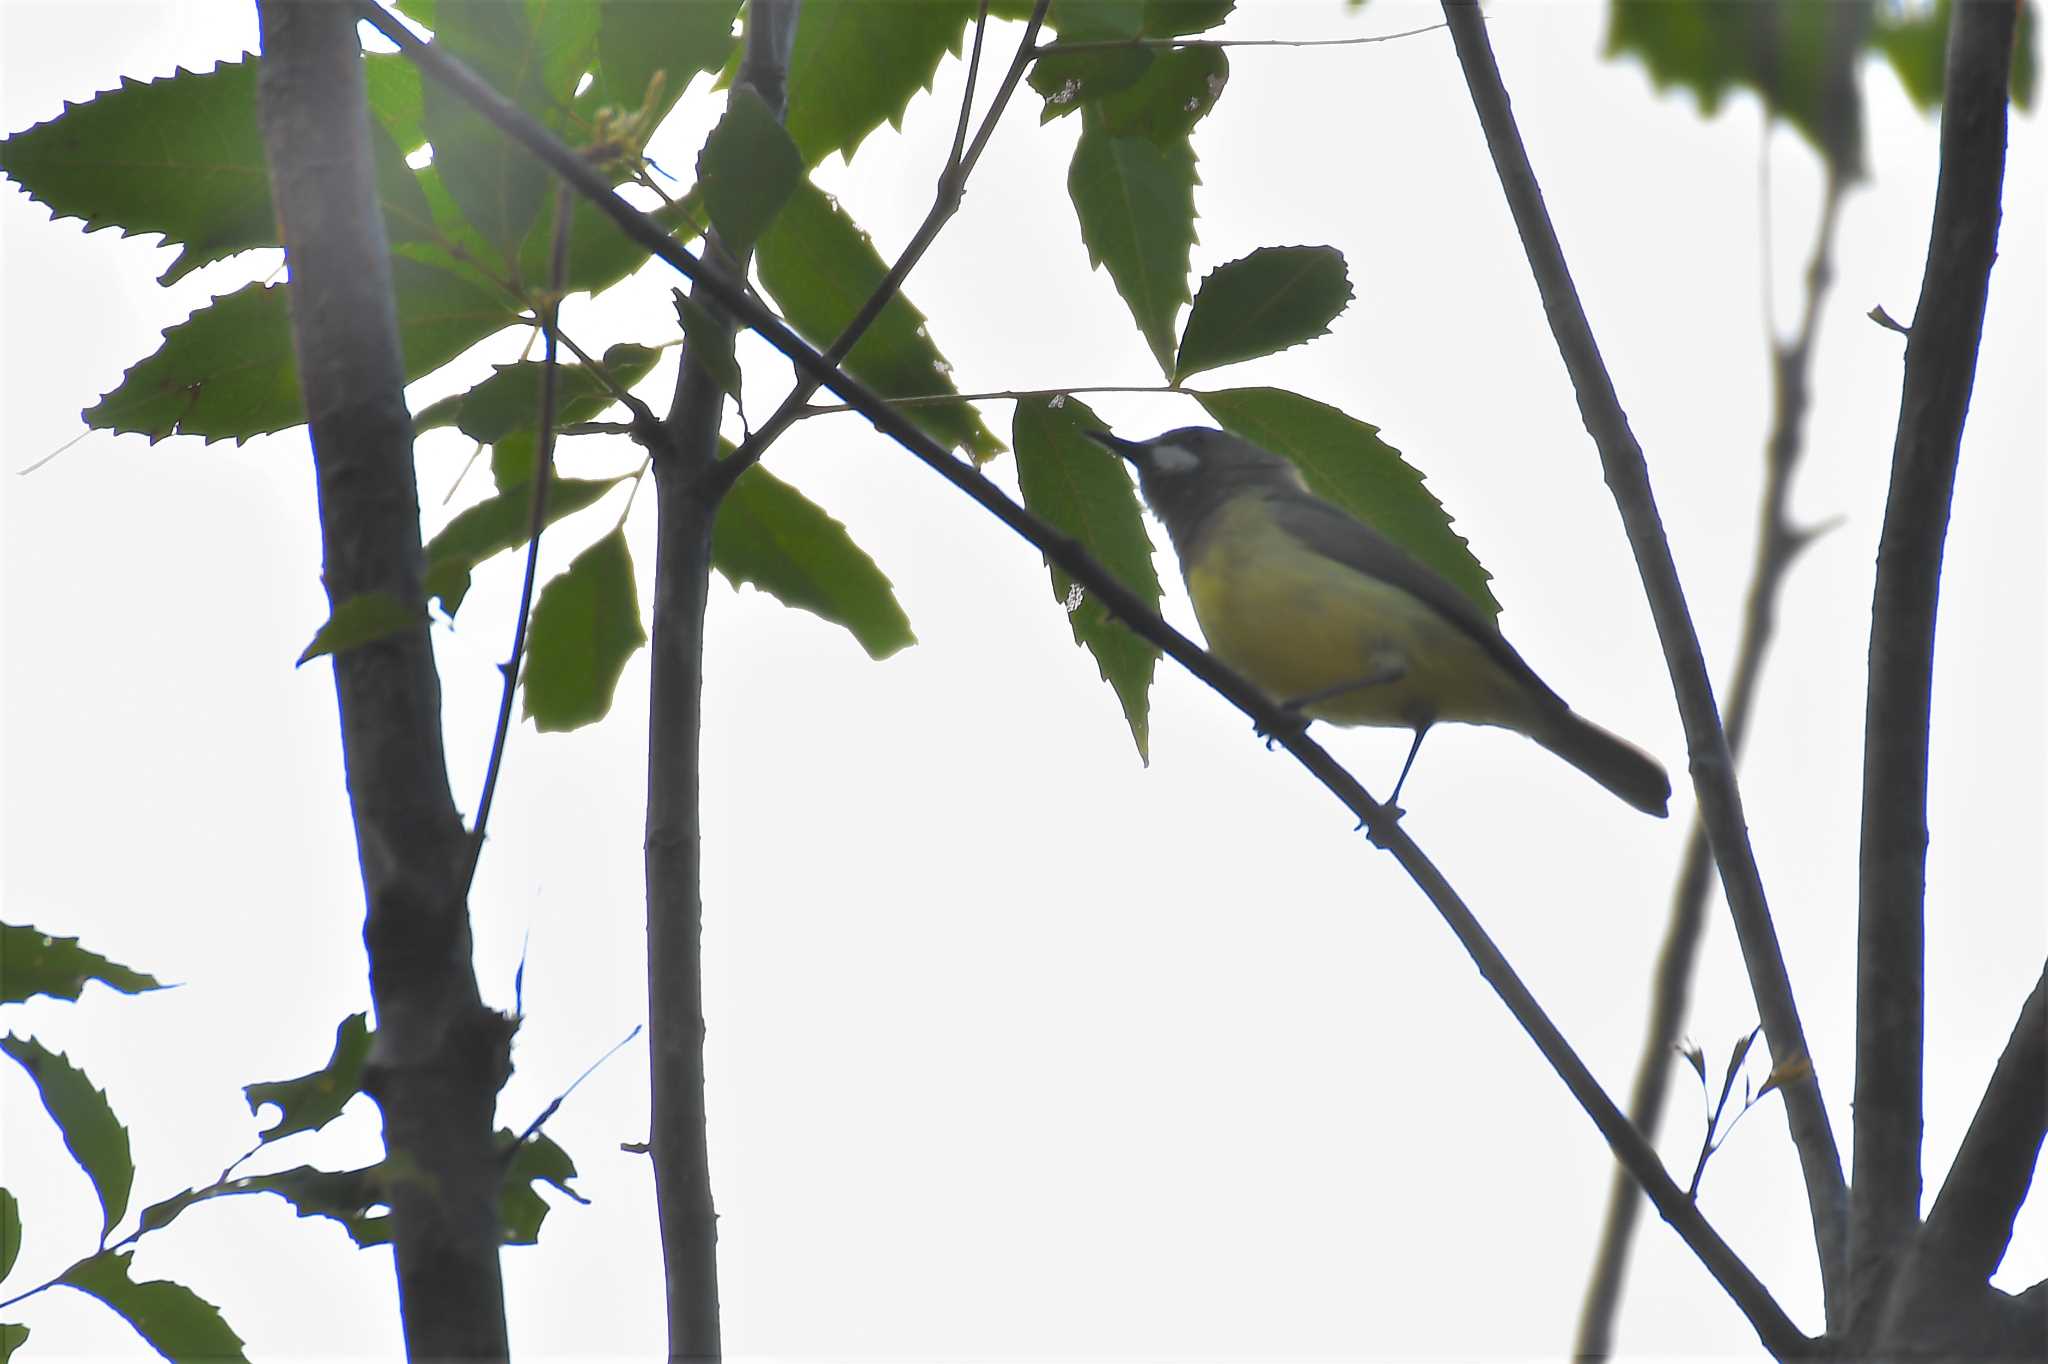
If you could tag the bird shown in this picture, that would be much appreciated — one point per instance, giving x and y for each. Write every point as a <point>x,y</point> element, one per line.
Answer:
<point>1335,622</point>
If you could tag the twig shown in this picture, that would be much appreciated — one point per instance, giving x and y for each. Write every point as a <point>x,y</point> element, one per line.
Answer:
<point>1777,546</point>
<point>536,522</point>
<point>1713,770</point>
<point>1000,395</point>
<point>1056,49</point>
<point>1940,370</point>
<point>1285,727</point>
<point>952,187</point>
<point>555,1104</point>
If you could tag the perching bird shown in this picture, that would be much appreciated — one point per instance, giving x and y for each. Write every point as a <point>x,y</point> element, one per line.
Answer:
<point>1332,619</point>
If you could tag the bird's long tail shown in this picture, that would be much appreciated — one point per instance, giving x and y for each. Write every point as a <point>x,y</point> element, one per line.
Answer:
<point>1616,764</point>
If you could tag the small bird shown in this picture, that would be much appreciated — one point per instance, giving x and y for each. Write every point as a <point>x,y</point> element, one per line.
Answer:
<point>1333,620</point>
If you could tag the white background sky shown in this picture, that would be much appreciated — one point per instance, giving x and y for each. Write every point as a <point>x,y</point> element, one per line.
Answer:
<point>1019,1048</point>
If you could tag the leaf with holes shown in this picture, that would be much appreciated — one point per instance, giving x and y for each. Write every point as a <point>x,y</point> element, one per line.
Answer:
<point>308,1103</point>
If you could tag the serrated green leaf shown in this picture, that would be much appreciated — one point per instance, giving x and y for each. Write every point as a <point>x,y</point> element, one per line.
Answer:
<point>774,537</point>
<point>86,1121</point>
<point>1276,297</point>
<point>10,1233</point>
<point>530,55</point>
<point>1136,203</point>
<point>181,156</point>
<point>586,626</point>
<point>309,1102</point>
<point>34,963</point>
<point>1344,461</point>
<point>178,1323</point>
<point>1072,482</point>
<point>361,620</point>
<point>636,38</point>
<point>345,1196</point>
<point>1175,93</point>
<point>1915,41</point>
<point>521,1208</point>
<point>857,64</point>
<point>748,168</point>
<point>12,1338</point>
<point>496,524</point>
<point>1785,51</point>
<point>821,269</point>
<point>509,400</point>
<point>228,372</point>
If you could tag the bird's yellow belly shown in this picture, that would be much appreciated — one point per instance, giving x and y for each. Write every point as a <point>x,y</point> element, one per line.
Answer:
<point>1305,628</point>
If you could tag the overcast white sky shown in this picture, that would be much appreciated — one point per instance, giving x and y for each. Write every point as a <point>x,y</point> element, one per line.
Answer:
<point>1021,1049</point>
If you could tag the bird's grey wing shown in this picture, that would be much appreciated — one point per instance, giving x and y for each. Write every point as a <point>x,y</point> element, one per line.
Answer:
<point>1335,533</point>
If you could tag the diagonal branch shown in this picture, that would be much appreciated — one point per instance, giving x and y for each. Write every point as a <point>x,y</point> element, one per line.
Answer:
<point>1713,770</point>
<point>1941,368</point>
<point>1286,728</point>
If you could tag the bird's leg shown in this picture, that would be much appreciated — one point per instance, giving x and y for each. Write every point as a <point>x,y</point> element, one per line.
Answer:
<point>1394,801</point>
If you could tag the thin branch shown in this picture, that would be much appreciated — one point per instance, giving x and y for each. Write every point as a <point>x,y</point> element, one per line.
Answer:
<point>1286,728</point>
<point>1940,370</point>
<point>952,188</point>
<point>1057,49</point>
<point>1713,769</point>
<point>1777,545</point>
<point>536,522</point>
<point>999,395</point>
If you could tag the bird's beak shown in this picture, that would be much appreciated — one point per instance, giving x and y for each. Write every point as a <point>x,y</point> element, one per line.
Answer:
<point>1129,449</point>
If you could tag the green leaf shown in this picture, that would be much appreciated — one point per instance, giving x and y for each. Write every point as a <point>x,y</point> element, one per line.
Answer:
<point>309,1102</point>
<point>1278,296</point>
<point>85,1120</point>
<point>709,343</point>
<point>857,64</point>
<point>10,1233</point>
<point>361,620</point>
<point>821,269</point>
<point>499,186</point>
<point>1175,18</point>
<point>12,1338</point>
<point>521,1209</point>
<point>748,168</point>
<point>774,537</point>
<point>1785,51</point>
<point>1136,203</point>
<point>509,400</point>
<point>1176,92</point>
<point>600,252</point>
<point>178,1323</point>
<point>1914,39</point>
<point>346,1196</point>
<point>495,525</point>
<point>392,83</point>
<point>1068,80</point>
<point>636,38</point>
<point>1072,482</point>
<point>586,626</point>
<point>228,372</point>
<point>33,963</point>
<point>1344,461</point>
<point>181,156</point>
